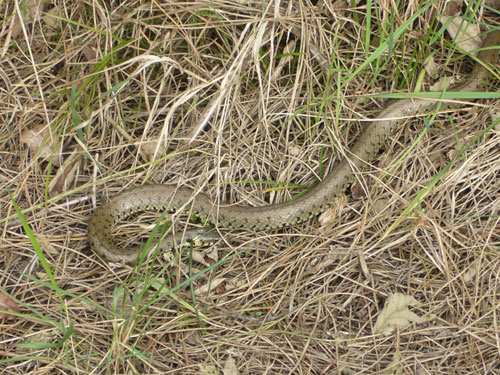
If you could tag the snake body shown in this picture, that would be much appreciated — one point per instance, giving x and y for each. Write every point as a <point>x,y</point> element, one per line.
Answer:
<point>320,197</point>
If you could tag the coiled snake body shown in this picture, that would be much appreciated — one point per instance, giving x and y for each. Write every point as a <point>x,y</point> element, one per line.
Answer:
<point>324,194</point>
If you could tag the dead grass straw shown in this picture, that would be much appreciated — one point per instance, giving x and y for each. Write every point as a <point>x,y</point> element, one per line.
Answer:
<point>246,102</point>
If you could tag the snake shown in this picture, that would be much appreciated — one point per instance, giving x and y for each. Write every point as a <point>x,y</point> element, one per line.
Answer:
<point>169,197</point>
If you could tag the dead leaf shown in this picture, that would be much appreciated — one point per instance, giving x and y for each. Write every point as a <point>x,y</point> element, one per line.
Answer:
<point>90,53</point>
<point>51,18</point>
<point>42,337</point>
<point>36,141</point>
<point>432,69</point>
<point>442,84</point>
<point>205,289</point>
<point>31,10</point>
<point>358,191</point>
<point>453,8</point>
<point>90,307</point>
<point>465,34</point>
<point>208,370</point>
<point>66,174</point>
<point>7,303</point>
<point>150,149</point>
<point>472,271</point>
<point>396,314</point>
<point>334,211</point>
<point>379,206</point>
<point>235,283</point>
<point>47,246</point>
<point>230,367</point>
<point>295,151</point>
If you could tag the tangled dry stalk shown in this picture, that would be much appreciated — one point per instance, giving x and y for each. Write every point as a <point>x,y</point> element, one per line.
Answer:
<point>248,102</point>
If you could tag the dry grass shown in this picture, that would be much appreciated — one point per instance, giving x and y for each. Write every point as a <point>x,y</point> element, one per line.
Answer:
<point>121,88</point>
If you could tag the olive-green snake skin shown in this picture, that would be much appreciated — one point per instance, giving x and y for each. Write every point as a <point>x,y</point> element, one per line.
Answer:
<point>323,195</point>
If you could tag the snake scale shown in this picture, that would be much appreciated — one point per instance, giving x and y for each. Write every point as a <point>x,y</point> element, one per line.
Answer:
<point>320,197</point>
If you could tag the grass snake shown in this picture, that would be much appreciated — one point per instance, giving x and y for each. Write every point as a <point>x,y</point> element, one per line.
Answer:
<point>320,197</point>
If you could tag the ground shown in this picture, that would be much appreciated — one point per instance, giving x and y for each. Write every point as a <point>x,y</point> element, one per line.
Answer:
<point>251,103</point>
